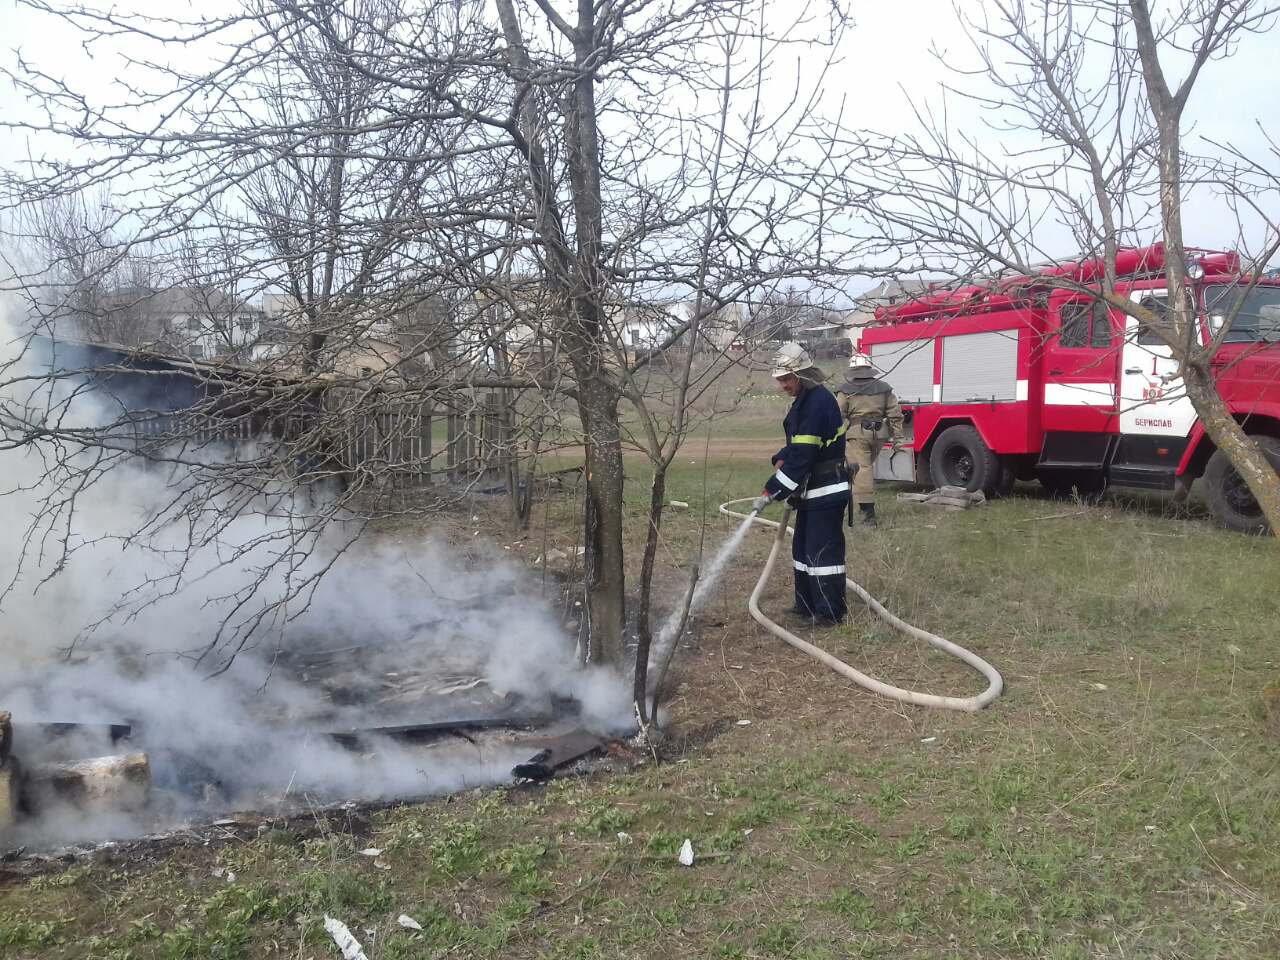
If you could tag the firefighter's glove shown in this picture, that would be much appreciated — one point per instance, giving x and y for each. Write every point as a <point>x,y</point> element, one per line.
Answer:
<point>760,503</point>
<point>793,501</point>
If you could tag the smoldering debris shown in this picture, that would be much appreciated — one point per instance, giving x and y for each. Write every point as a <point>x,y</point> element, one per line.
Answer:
<point>97,785</point>
<point>554,753</point>
<point>9,784</point>
<point>361,698</point>
<point>255,658</point>
<point>308,736</point>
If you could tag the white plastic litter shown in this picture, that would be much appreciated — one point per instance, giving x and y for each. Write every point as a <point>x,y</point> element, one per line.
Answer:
<point>349,945</point>
<point>408,922</point>
<point>371,852</point>
<point>686,854</point>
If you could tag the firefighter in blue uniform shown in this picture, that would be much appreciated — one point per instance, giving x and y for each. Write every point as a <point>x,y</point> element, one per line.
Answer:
<point>810,473</point>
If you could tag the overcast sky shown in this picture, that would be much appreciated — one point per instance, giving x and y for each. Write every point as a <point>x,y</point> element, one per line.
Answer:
<point>886,61</point>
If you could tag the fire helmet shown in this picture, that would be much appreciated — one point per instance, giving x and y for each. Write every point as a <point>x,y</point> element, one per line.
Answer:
<point>858,359</point>
<point>790,358</point>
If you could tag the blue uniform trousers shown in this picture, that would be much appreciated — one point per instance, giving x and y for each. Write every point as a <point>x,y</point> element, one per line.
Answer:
<point>817,553</point>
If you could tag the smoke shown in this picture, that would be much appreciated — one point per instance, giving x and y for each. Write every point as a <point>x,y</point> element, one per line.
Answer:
<point>100,624</point>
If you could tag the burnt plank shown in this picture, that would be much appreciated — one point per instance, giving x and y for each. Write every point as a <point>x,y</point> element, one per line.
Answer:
<point>555,753</point>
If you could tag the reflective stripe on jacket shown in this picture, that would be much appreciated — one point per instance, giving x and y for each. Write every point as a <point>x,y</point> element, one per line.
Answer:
<point>815,432</point>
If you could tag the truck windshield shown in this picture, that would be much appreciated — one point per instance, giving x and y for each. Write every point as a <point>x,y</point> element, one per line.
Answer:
<point>1259,316</point>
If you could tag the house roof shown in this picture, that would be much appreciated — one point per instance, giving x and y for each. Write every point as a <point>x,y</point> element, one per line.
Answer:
<point>178,300</point>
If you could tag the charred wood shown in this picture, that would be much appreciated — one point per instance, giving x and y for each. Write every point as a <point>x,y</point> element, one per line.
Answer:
<point>102,783</point>
<point>557,752</point>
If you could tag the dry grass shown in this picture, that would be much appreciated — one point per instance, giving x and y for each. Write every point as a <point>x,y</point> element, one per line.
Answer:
<point>1118,801</point>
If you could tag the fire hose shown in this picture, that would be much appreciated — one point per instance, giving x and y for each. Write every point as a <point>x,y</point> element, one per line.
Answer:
<point>995,684</point>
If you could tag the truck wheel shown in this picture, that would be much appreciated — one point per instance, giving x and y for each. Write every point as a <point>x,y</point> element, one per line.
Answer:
<point>1229,498</point>
<point>1006,476</point>
<point>924,478</point>
<point>959,458</point>
<point>1088,485</point>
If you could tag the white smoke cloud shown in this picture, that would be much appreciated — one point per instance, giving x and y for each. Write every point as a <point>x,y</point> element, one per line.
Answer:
<point>411,612</point>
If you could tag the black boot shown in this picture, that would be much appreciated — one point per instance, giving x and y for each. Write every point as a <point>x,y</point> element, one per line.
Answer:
<point>868,511</point>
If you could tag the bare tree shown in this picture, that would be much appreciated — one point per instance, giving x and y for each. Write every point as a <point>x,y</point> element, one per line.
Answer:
<point>82,275</point>
<point>537,174</point>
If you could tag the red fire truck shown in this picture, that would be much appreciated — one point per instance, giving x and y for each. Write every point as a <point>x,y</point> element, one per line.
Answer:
<point>1020,379</point>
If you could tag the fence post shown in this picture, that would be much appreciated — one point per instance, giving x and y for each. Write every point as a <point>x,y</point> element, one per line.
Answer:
<point>428,425</point>
<point>493,459</point>
<point>473,425</point>
<point>451,446</point>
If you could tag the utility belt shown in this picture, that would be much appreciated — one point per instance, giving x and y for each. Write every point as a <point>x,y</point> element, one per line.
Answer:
<point>825,471</point>
<point>872,426</point>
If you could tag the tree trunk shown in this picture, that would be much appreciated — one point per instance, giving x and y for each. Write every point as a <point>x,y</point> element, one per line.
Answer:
<point>606,584</point>
<point>577,280</point>
<point>1229,437</point>
<point>1183,337</point>
<point>644,629</point>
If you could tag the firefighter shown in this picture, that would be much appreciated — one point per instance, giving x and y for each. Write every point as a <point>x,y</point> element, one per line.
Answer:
<point>871,415</point>
<point>811,475</point>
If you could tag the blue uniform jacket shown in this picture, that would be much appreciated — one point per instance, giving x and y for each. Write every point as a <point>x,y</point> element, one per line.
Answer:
<point>815,429</point>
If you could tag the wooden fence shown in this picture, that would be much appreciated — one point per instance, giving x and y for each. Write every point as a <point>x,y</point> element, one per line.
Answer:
<point>405,441</point>
<point>423,443</point>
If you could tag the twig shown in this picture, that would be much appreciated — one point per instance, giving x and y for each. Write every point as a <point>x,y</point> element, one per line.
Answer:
<point>1244,890</point>
<point>1053,516</point>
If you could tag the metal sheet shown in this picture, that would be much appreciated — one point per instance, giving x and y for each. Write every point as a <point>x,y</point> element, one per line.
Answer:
<point>900,467</point>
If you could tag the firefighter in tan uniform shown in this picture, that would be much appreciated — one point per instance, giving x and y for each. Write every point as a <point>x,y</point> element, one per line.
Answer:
<point>873,415</point>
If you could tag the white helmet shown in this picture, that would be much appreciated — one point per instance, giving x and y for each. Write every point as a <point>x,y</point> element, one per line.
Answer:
<point>790,358</point>
<point>857,359</point>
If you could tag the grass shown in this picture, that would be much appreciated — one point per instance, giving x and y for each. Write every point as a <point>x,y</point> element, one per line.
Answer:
<point>1118,801</point>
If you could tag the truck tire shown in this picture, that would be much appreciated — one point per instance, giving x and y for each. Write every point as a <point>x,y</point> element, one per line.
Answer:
<point>1088,485</point>
<point>959,458</point>
<point>1006,477</point>
<point>1230,501</point>
<point>923,477</point>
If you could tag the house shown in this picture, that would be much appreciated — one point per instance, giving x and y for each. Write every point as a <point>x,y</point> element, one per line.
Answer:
<point>360,339</point>
<point>202,322</point>
<point>830,338</point>
<point>647,327</point>
<point>883,294</point>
